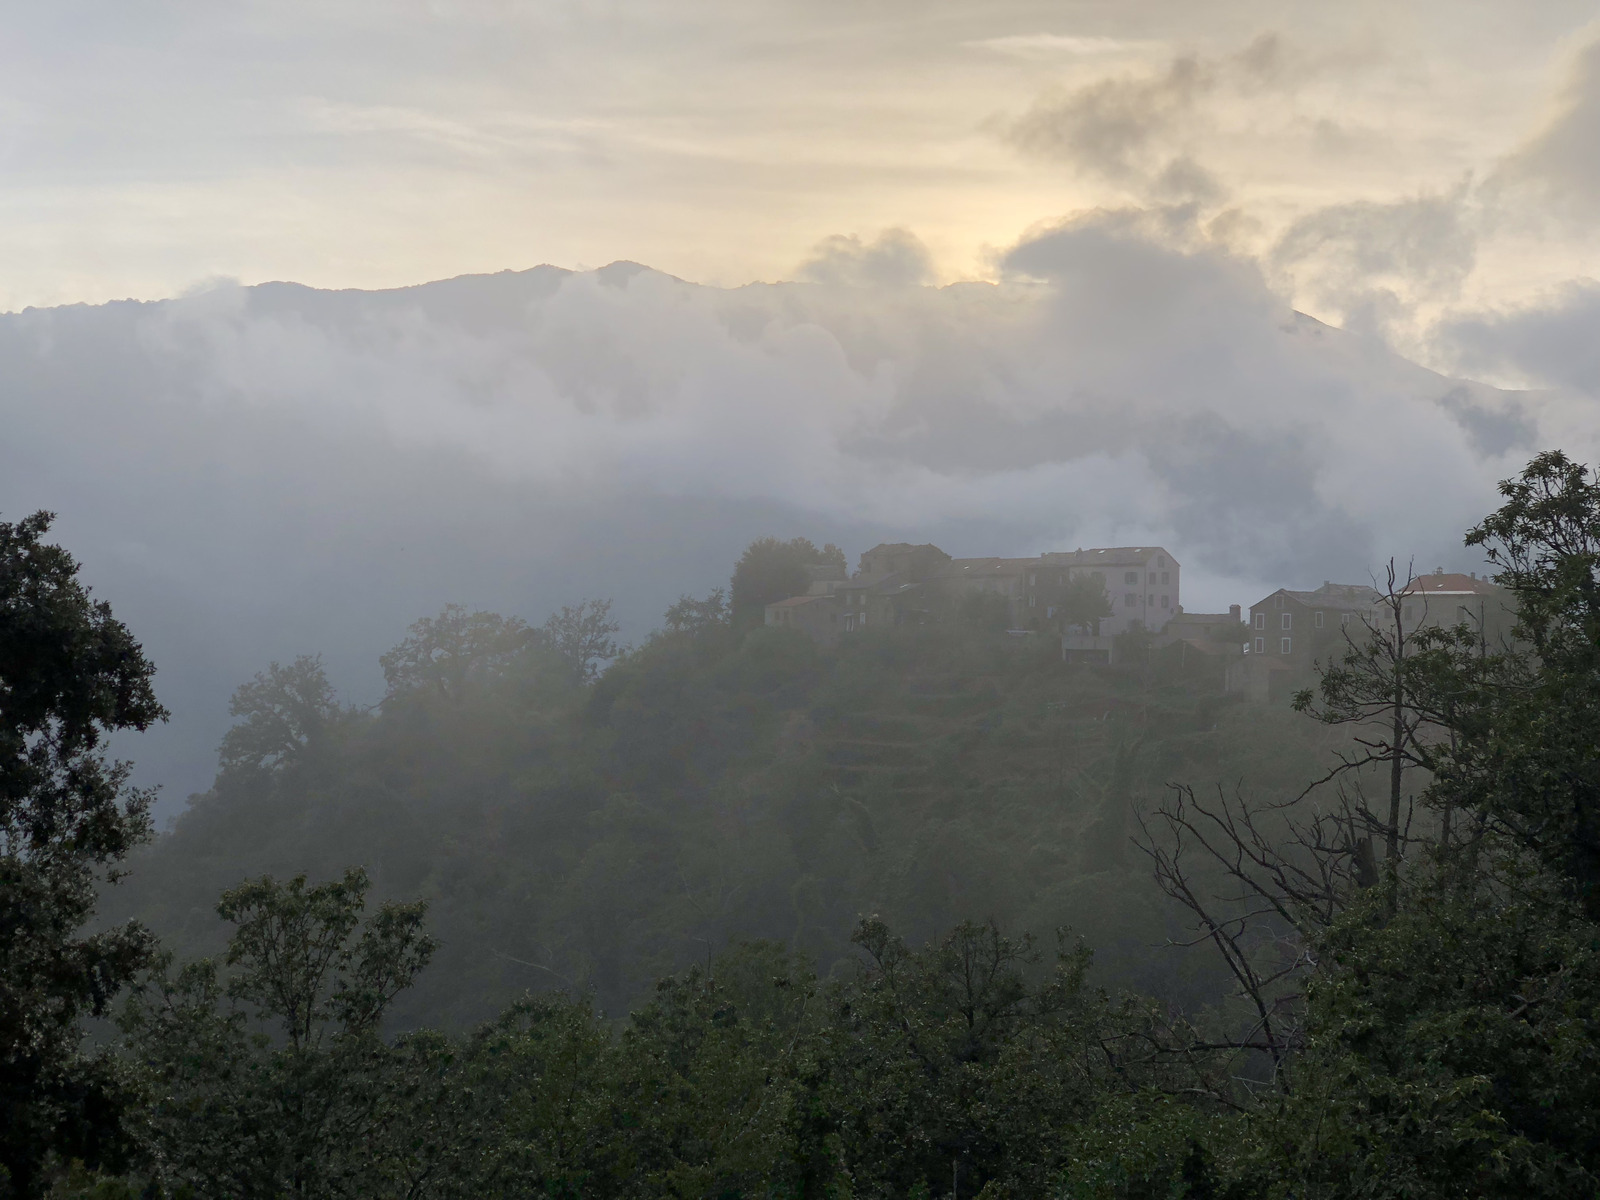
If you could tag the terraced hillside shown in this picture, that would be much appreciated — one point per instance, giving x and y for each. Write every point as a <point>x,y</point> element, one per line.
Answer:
<point>711,787</point>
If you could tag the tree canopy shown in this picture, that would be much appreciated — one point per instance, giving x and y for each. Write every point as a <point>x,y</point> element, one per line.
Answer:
<point>772,570</point>
<point>70,673</point>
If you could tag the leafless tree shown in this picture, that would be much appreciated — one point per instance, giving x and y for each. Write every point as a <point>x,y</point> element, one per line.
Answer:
<point>1288,868</point>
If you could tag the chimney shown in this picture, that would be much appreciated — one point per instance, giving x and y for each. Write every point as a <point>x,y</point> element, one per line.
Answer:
<point>1233,611</point>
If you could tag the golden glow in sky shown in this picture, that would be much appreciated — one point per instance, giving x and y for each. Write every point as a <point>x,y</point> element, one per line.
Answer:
<point>1380,161</point>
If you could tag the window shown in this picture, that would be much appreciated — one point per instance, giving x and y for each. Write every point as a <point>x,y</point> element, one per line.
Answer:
<point>1161,561</point>
<point>1152,577</point>
<point>1344,619</point>
<point>1130,601</point>
<point>1130,577</point>
<point>1286,621</point>
<point>1283,645</point>
<point>1164,601</point>
<point>1316,619</point>
<point>1261,645</point>
<point>1261,620</point>
<point>1033,601</point>
<point>1033,580</point>
<point>1164,575</point>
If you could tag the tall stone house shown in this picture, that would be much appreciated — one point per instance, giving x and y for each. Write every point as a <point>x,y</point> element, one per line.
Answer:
<point>1291,631</point>
<point>1443,600</point>
<point>1298,628</point>
<point>1140,581</point>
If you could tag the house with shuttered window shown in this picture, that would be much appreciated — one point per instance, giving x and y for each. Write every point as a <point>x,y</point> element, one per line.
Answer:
<point>1299,628</point>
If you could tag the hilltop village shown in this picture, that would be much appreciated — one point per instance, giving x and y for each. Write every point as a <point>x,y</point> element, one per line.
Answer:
<point>1108,604</point>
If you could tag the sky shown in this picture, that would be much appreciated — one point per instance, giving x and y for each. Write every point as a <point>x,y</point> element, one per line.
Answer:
<point>1441,151</point>
<point>1286,288</point>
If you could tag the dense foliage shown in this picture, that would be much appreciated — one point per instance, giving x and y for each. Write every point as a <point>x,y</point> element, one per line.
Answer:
<point>1403,998</point>
<point>712,786</point>
<point>70,673</point>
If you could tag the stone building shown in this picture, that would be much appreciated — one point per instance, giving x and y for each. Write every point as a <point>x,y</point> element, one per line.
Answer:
<point>817,616</point>
<point>1299,628</point>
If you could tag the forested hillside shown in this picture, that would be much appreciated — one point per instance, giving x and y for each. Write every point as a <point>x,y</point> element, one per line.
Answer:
<point>715,785</point>
<point>742,917</point>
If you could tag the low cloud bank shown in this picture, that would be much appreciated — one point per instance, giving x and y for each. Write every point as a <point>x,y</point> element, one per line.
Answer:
<point>251,473</point>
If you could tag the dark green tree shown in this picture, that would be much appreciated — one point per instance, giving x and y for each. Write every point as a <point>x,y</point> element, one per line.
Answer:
<point>1084,604</point>
<point>988,611</point>
<point>583,635</point>
<point>447,653</point>
<point>1452,1046</point>
<point>70,673</point>
<point>698,617</point>
<point>771,570</point>
<point>285,714</point>
<point>963,1064</point>
<point>1526,760</point>
<point>298,1108</point>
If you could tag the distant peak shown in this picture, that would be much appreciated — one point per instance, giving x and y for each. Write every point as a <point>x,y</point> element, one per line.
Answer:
<point>619,273</point>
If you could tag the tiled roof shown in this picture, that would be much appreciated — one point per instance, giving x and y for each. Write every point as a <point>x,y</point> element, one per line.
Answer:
<point>903,547</point>
<point>1107,555</point>
<point>1340,597</point>
<point>1468,584</point>
<point>969,567</point>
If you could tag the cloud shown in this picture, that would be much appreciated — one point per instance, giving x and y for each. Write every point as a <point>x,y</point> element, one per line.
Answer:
<point>1057,45</point>
<point>1561,162</point>
<point>1371,262</point>
<point>1140,129</point>
<point>1115,127</point>
<point>896,258</point>
<point>1553,343</point>
<point>255,472</point>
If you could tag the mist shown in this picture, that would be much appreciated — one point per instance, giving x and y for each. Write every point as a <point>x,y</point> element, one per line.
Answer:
<point>252,473</point>
<point>1033,631</point>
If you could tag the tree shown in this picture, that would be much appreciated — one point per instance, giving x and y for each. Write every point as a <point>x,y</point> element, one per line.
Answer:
<point>1526,762</point>
<point>964,1063</point>
<point>696,617</point>
<point>771,570</point>
<point>1085,604</point>
<point>1374,687</point>
<point>70,673</point>
<point>285,712</point>
<point>984,610</point>
<point>457,648</point>
<point>1452,1047</point>
<point>297,1112</point>
<point>1435,1037</point>
<point>583,636</point>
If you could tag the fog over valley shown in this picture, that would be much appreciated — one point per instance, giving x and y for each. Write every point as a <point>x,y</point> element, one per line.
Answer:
<point>257,472</point>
